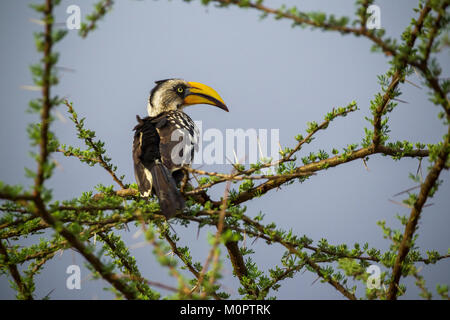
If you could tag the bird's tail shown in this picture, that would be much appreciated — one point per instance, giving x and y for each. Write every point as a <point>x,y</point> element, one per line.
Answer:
<point>170,198</point>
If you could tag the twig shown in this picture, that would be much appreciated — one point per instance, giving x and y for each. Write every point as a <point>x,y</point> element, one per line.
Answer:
<point>22,287</point>
<point>213,253</point>
<point>190,267</point>
<point>90,143</point>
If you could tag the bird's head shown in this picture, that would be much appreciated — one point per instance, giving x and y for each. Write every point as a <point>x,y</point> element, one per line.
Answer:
<point>175,94</point>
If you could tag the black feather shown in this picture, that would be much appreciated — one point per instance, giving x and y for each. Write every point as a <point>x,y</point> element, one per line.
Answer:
<point>170,199</point>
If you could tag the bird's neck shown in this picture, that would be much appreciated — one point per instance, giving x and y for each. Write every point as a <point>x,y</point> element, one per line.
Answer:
<point>152,112</point>
<point>156,111</point>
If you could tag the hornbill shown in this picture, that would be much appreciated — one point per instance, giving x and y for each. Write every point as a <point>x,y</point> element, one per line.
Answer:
<point>166,140</point>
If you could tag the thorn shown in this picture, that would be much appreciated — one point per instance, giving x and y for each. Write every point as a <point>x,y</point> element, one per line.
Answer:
<point>259,148</point>
<point>281,149</point>
<point>137,233</point>
<point>170,253</point>
<point>58,165</point>
<point>365,165</point>
<point>60,116</point>
<point>138,245</point>
<point>417,73</point>
<point>315,281</point>
<point>65,69</point>
<point>95,238</point>
<point>231,162</point>
<point>86,278</point>
<point>31,88</point>
<point>412,83</point>
<point>194,288</point>
<point>400,204</point>
<point>235,157</point>
<point>60,24</point>
<point>170,226</point>
<point>195,177</point>
<point>37,21</point>
<point>405,191</point>
<point>399,100</point>
<point>49,293</point>
<point>419,170</point>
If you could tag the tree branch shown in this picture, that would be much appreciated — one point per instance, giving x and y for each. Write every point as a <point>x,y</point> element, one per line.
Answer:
<point>410,228</point>
<point>23,289</point>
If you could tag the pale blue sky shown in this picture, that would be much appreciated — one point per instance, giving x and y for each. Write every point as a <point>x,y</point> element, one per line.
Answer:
<point>271,76</point>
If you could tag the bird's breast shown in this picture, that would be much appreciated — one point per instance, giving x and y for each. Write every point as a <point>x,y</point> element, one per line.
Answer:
<point>179,139</point>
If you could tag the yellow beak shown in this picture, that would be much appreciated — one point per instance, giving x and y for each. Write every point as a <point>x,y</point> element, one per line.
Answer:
<point>202,94</point>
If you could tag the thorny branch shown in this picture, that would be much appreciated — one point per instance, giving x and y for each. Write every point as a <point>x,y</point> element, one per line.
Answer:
<point>411,226</point>
<point>22,287</point>
<point>94,146</point>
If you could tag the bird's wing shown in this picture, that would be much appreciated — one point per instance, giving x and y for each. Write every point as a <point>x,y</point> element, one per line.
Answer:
<point>145,153</point>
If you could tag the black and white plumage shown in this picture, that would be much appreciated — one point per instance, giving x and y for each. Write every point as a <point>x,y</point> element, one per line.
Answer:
<point>166,140</point>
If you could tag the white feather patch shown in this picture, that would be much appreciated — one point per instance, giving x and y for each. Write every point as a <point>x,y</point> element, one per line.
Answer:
<point>148,175</point>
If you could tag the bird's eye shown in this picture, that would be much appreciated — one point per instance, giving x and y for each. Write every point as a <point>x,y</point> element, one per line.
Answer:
<point>180,90</point>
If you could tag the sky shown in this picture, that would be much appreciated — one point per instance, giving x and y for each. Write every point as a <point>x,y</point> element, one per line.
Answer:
<point>271,76</point>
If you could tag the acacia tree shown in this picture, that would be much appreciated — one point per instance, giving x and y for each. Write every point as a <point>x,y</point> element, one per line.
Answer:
<point>101,216</point>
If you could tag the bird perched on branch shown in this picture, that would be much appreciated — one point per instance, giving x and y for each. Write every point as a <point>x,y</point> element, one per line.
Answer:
<point>166,140</point>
